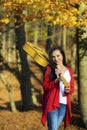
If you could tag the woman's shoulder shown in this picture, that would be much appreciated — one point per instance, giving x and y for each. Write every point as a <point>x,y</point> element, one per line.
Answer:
<point>70,68</point>
<point>48,67</point>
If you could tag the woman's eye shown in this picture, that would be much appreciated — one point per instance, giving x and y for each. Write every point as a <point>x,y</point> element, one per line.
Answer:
<point>57,56</point>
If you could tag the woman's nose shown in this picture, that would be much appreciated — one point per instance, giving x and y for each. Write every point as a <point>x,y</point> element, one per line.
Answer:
<point>56,58</point>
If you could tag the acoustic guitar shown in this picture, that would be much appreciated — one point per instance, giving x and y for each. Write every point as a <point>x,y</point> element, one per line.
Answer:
<point>36,53</point>
<point>40,57</point>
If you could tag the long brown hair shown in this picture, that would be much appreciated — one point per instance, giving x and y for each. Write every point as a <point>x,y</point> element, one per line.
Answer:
<point>52,74</point>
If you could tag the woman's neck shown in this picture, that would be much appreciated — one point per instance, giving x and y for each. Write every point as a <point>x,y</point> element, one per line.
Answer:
<point>62,68</point>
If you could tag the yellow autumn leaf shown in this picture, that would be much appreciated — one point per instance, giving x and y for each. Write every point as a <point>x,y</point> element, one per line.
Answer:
<point>9,3</point>
<point>5,20</point>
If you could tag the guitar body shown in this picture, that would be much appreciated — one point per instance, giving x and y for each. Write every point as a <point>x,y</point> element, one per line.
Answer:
<point>28,48</point>
<point>36,53</point>
<point>41,60</point>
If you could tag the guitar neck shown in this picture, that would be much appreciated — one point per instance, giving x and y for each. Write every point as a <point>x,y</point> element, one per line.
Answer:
<point>66,84</point>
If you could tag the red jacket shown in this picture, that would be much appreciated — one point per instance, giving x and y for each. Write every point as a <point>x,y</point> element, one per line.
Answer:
<point>51,96</point>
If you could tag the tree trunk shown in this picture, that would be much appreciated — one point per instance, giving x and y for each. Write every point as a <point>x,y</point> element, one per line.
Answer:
<point>50,40</point>
<point>9,89</point>
<point>82,67</point>
<point>25,72</point>
<point>82,72</point>
<point>36,32</point>
<point>64,38</point>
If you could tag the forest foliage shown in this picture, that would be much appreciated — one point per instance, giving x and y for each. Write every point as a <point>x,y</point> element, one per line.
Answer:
<point>64,12</point>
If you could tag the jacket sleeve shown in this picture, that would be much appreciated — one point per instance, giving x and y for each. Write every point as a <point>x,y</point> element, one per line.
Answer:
<point>71,81</point>
<point>47,83</point>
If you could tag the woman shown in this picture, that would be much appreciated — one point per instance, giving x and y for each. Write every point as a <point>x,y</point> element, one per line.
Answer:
<point>56,104</point>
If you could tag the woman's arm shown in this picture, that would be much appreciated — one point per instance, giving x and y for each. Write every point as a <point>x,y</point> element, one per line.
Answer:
<point>47,83</point>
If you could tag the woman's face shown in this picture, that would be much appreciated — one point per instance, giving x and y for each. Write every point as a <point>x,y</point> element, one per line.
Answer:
<point>57,57</point>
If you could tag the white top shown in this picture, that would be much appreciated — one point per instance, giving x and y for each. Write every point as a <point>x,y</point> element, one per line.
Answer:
<point>66,74</point>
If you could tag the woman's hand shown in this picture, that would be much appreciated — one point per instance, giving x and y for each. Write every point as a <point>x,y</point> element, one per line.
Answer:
<point>57,80</point>
<point>57,72</point>
<point>66,89</point>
